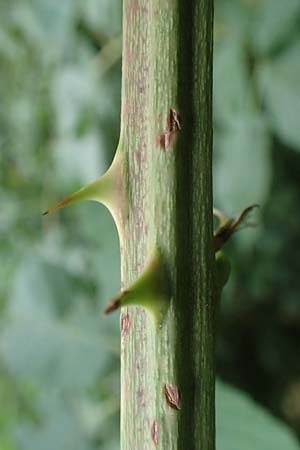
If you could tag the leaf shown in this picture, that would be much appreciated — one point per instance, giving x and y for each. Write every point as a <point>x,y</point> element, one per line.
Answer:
<point>73,91</point>
<point>279,86</point>
<point>67,352</point>
<point>232,18</point>
<point>274,22</point>
<point>104,16</point>
<point>47,24</point>
<point>79,160</point>
<point>243,425</point>
<point>242,169</point>
<point>242,172</point>
<point>232,89</point>
<point>60,427</point>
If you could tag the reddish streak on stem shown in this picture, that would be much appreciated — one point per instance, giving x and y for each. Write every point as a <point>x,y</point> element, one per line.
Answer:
<point>125,324</point>
<point>173,127</point>
<point>155,432</point>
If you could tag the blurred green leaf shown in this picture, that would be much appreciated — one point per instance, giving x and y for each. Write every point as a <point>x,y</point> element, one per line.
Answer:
<point>45,24</point>
<point>79,159</point>
<point>232,20</point>
<point>274,22</point>
<point>244,425</point>
<point>67,352</point>
<point>104,16</point>
<point>242,171</point>
<point>232,88</point>
<point>60,428</point>
<point>280,89</point>
<point>72,95</point>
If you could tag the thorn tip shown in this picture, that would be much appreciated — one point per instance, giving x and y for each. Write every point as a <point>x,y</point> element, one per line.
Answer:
<point>115,303</point>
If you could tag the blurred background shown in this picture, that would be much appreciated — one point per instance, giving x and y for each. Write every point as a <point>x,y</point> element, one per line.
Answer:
<point>60,69</point>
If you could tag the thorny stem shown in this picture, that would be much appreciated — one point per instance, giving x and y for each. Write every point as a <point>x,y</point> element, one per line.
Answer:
<point>167,135</point>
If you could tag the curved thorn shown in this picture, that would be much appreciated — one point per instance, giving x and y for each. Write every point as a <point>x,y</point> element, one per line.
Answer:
<point>108,190</point>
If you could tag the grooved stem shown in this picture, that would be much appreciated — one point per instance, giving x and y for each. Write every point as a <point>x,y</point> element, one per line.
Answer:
<point>166,131</point>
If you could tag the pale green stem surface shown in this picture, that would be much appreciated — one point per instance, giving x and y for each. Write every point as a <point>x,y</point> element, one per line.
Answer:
<point>167,63</point>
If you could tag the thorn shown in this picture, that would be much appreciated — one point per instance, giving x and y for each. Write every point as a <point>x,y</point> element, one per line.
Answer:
<point>61,204</point>
<point>115,303</point>
<point>151,290</point>
<point>108,189</point>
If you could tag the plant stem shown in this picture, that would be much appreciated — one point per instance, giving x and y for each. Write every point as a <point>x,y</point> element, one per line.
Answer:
<point>167,66</point>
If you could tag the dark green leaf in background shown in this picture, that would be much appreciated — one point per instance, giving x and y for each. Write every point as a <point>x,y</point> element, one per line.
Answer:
<point>274,24</point>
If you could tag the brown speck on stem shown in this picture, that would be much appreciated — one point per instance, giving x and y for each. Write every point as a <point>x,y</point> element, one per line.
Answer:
<point>172,395</point>
<point>125,324</point>
<point>155,432</point>
<point>173,127</point>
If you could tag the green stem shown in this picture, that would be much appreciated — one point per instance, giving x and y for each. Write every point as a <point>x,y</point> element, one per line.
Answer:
<point>167,137</point>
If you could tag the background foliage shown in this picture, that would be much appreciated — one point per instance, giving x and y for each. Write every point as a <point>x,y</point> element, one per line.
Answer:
<point>60,67</point>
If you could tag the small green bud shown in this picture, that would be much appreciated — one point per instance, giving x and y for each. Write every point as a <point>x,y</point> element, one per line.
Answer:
<point>222,269</point>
